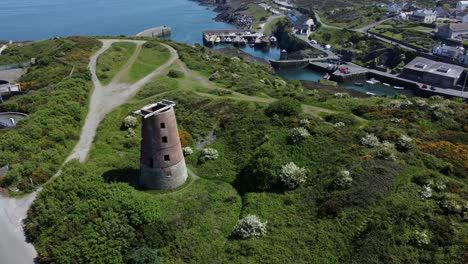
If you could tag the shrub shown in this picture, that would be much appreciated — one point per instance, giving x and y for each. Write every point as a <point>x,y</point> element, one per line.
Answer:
<point>130,122</point>
<point>304,122</point>
<point>175,74</point>
<point>341,95</point>
<point>370,141</point>
<point>386,151</point>
<point>250,226</point>
<point>130,133</point>
<point>284,107</point>
<point>426,192</point>
<point>298,133</point>
<point>185,138</point>
<point>144,255</point>
<point>343,118</point>
<point>405,143</point>
<point>291,175</point>
<point>209,154</point>
<point>344,179</point>
<point>187,151</point>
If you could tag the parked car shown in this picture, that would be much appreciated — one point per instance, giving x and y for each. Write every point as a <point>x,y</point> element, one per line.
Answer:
<point>313,41</point>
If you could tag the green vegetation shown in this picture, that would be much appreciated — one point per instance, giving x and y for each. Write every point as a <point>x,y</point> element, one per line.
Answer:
<point>260,15</point>
<point>113,60</point>
<point>389,184</point>
<point>407,32</point>
<point>151,57</point>
<point>38,145</point>
<point>353,16</point>
<point>272,27</point>
<point>54,60</point>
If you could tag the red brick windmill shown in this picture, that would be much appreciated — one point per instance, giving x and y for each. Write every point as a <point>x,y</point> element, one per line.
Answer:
<point>162,162</point>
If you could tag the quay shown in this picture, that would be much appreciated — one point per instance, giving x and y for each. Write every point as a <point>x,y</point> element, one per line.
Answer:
<point>156,32</point>
<point>355,72</point>
<point>238,37</point>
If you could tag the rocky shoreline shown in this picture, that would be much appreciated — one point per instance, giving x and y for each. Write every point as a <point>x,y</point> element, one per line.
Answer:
<point>229,14</point>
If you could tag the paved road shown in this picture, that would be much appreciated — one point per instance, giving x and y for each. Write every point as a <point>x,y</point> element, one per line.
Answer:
<point>268,22</point>
<point>13,246</point>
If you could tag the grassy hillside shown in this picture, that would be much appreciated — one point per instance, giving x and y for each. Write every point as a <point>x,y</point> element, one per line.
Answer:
<point>385,179</point>
<point>113,60</point>
<point>38,145</point>
<point>152,56</point>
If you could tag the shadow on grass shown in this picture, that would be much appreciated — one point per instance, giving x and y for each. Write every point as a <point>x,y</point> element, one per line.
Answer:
<point>127,175</point>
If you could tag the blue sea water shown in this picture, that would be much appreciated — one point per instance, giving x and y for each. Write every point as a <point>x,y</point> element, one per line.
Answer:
<point>41,19</point>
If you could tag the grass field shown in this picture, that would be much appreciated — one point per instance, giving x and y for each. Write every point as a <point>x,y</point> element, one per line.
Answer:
<point>152,55</point>
<point>113,60</point>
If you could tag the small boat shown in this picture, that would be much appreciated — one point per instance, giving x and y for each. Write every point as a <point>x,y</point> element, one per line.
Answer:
<point>369,93</point>
<point>371,82</point>
<point>273,39</point>
<point>326,76</point>
<point>386,84</point>
<point>228,40</point>
<point>374,80</point>
<point>359,83</point>
<point>218,40</point>
<point>398,87</point>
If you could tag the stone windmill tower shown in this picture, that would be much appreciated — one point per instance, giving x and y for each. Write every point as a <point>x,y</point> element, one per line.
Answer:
<point>162,162</point>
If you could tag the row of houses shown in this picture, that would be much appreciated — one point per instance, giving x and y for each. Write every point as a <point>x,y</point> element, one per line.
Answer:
<point>429,15</point>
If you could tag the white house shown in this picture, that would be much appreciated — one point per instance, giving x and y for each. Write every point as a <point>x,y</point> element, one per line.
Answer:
<point>462,5</point>
<point>424,16</point>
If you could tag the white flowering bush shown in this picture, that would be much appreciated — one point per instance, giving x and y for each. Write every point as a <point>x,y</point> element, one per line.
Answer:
<point>304,122</point>
<point>339,124</point>
<point>394,104</point>
<point>209,154</point>
<point>451,206</point>
<point>405,143</point>
<point>250,226</point>
<point>386,152</point>
<point>395,120</point>
<point>421,103</point>
<point>344,179</point>
<point>421,237</point>
<point>440,110</point>
<point>130,122</point>
<point>426,192</point>
<point>370,141</point>
<point>292,175</point>
<point>341,95</point>
<point>187,151</point>
<point>130,133</point>
<point>298,133</point>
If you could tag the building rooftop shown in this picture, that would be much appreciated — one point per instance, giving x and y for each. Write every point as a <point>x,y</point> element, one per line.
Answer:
<point>156,108</point>
<point>457,26</point>
<point>423,12</point>
<point>434,67</point>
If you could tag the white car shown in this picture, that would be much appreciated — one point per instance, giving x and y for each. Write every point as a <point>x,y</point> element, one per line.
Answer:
<point>313,42</point>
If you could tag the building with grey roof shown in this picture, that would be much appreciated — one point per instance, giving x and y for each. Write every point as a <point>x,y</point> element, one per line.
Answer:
<point>453,31</point>
<point>434,73</point>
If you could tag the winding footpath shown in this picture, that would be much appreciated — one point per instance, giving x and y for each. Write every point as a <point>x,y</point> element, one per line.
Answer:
<point>14,247</point>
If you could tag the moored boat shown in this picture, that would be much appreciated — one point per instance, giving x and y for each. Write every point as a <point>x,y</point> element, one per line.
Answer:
<point>398,87</point>
<point>369,93</point>
<point>359,83</point>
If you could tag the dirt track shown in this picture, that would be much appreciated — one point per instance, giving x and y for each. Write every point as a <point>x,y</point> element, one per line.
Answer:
<point>104,99</point>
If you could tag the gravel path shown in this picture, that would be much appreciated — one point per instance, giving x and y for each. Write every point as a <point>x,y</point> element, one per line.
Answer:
<point>14,248</point>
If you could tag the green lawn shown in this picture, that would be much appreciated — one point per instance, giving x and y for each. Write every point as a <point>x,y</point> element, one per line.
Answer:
<point>152,56</point>
<point>111,62</point>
